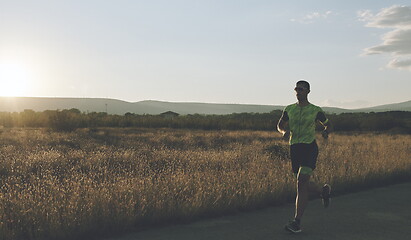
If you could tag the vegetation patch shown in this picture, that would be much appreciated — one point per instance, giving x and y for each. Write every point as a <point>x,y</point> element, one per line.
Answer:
<point>94,182</point>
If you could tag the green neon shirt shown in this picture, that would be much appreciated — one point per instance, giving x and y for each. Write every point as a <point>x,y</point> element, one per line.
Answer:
<point>301,121</point>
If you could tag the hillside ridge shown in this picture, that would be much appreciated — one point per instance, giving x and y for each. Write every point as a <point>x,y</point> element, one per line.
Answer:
<point>120,107</point>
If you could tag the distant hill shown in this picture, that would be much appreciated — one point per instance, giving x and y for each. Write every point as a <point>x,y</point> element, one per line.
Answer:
<point>404,106</point>
<point>113,106</point>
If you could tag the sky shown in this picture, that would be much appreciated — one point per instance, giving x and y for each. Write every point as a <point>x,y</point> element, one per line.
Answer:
<point>354,53</point>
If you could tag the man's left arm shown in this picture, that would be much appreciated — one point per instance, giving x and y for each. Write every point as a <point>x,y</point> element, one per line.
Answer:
<point>323,120</point>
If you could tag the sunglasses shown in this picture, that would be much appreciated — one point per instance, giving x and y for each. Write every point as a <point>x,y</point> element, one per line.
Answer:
<point>299,89</point>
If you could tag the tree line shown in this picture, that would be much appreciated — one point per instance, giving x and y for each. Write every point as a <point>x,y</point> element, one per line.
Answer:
<point>69,120</point>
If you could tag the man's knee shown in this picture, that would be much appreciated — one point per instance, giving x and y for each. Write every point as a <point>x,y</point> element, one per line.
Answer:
<point>305,170</point>
<point>304,174</point>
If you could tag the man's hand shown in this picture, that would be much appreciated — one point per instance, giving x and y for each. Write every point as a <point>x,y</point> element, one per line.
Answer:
<point>286,135</point>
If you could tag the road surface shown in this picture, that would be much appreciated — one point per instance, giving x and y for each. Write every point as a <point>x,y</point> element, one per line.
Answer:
<point>381,213</point>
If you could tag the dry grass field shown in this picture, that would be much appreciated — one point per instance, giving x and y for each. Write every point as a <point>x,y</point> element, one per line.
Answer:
<point>94,182</point>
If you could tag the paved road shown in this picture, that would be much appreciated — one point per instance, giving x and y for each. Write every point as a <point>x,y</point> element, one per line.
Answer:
<point>382,213</point>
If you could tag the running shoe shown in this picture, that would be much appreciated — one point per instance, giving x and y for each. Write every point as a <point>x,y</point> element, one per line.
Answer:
<point>293,227</point>
<point>325,195</point>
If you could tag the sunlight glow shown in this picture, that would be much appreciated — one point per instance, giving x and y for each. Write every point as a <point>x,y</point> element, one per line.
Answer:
<point>14,80</point>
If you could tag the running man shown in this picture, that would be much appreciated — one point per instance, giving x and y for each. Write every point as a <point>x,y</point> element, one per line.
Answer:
<point>297,124</point>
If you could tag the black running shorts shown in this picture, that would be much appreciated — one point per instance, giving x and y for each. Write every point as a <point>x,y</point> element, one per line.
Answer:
<point>303,155</point>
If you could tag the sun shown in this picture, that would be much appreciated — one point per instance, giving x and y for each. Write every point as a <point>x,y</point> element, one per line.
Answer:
<point>14,80</point>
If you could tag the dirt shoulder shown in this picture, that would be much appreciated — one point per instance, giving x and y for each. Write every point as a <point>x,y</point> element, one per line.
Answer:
<point>381,213</point>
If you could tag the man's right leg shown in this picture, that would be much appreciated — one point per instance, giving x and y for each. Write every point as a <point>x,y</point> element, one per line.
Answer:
<point>303,191</point>
<point>301,200</point>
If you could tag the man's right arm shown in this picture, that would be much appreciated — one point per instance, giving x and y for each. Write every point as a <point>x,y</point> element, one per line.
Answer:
<point>282,125</point>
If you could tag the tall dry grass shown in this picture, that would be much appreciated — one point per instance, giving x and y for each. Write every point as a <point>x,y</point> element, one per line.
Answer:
<point>90,183</point>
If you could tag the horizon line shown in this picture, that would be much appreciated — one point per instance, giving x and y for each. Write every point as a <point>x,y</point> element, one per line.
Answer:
<point>189,102</point>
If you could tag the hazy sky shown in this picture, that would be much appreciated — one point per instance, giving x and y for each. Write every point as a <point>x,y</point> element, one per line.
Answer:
<point>355,53</point>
